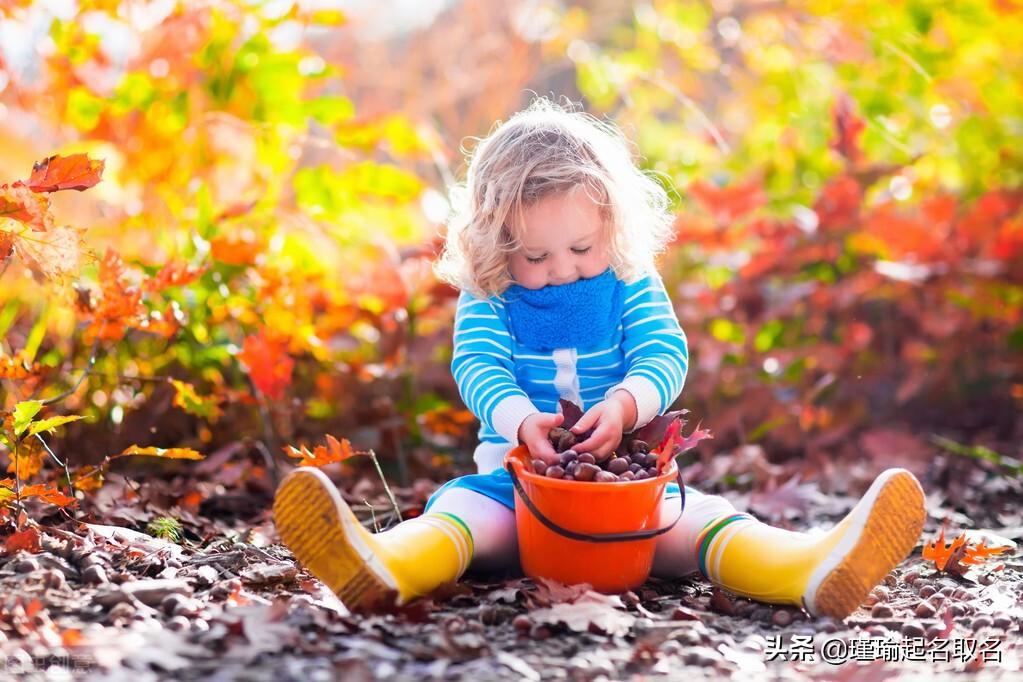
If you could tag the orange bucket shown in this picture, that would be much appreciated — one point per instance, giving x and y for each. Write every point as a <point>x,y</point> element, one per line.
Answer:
<point>585,532</point>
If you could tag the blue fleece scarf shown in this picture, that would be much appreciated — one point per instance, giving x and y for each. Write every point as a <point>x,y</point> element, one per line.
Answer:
<point>575,315</point>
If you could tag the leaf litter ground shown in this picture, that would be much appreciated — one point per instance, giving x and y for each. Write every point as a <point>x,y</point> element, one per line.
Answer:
<point>95,598</point>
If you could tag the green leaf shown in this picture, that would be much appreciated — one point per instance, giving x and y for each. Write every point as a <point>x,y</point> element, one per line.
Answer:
<point>330,109</point>
<point>52,423</point>
<point>24,412</point>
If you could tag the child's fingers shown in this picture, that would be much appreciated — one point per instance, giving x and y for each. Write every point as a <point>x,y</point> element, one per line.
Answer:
<point>586,421</point>
<point>601,444</point>
<point>543,449</point>
<point>554,420</point>
<point>591,444</point>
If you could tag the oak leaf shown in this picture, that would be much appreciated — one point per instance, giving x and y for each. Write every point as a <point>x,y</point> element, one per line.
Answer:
<point>321,455</point>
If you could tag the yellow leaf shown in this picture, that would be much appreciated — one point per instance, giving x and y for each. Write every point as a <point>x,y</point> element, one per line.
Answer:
<point>165,453</point>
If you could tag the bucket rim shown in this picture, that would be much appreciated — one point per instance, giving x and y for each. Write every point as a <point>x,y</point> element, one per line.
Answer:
<point>519,456</point>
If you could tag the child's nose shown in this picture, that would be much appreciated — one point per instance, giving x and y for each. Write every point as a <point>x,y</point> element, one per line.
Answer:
<point>562,269</point>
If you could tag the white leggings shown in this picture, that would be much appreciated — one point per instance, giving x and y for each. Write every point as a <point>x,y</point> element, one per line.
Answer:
<point>496,544</point>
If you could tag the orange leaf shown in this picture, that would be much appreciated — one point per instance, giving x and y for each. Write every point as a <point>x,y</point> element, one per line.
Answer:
<point>174,274</point>
<point>71,637</point>
<point>268,364</point>
<point>44,491</point>
<point>333,451</point>
<point>120,304</point>
<point>980,553</point>
<point>165,453</point>
<point>16,368</point>
<point>29,460</point>
<point>6,243</point>
<point>88,478</point>
<point>33,607</point>
<point>938,552</point>
<point>56,173</point>
<point>242,249</point>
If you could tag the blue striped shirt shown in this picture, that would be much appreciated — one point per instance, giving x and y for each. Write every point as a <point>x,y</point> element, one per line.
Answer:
<point>502,382</point>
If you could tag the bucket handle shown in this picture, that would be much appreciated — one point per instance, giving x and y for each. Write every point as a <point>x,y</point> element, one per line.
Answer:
<point>598,537</point>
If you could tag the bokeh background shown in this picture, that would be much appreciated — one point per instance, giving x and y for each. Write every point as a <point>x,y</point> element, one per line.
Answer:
<point>846,175</point>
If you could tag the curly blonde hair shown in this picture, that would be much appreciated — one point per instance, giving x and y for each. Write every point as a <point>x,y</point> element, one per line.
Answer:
<point>542,151</point>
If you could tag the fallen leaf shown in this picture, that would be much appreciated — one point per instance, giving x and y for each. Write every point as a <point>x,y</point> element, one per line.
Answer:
<point>786,501</point>
<point>937,551</point>
<point>592,610</point>
<point>165,453</point>
<point>27,540</point>
<point>333,451</point>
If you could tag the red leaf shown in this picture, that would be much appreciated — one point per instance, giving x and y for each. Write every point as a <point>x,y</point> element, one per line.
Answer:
<point>27,540</point>
<point>56,173</point>
<point>839,202</point>
<point>269,365</point>
<point>654,430</point>
<point>727,204</point>
<point>674,443</point>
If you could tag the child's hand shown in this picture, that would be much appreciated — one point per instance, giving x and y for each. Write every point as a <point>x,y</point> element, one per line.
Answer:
<point>608,419</point>
<point>533,434</point>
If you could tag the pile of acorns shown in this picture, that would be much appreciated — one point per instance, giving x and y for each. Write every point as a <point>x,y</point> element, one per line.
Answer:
<point>633,461</point>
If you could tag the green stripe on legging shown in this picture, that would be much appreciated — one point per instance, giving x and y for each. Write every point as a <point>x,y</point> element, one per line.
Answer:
<point>708,537</point>
<point>461,524</point>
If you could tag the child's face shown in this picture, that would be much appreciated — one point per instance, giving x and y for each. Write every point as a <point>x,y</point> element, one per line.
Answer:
<point>562,241</point>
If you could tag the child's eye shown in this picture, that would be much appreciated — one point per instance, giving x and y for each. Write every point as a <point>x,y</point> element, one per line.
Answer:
<point>582,251</point>
<point>538,259</point>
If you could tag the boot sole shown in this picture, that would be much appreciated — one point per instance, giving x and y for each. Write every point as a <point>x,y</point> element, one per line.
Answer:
<point>884,534</point>
<point>325,536</point>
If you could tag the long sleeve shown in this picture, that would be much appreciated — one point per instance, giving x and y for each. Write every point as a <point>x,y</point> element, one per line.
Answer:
<point>655,348</point>
<point>482,367</point>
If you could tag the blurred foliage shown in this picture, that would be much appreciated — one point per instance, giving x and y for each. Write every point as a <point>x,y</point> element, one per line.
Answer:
<point>257,257</point>
<point>850,235</point>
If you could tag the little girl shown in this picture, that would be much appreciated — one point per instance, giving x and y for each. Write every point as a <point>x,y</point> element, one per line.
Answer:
<point>553,249</point>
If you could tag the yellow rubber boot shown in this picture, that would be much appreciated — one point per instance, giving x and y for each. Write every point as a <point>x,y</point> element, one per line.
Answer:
<point>365,569</point>
<point>829,574</point>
